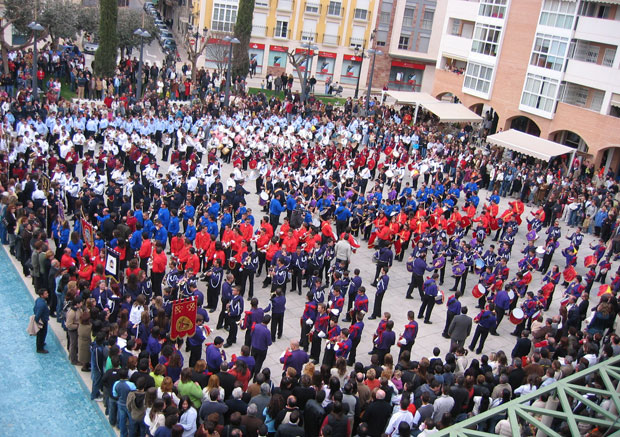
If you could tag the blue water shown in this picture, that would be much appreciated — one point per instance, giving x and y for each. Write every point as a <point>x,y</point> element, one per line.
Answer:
<point>40,395</point>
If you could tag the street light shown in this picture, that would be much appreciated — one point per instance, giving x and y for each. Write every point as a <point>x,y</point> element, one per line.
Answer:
<point>197,35</point>
<point>357,83</point>
<point>310,49</point>
<point>35,27</point>
<point>230,40</point>
<point>142,34</point>
<point>374,54</point>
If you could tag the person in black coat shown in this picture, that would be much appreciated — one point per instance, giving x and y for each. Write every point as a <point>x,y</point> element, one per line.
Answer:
<point>314,414</point>
<point>377,414</point>
<point>523,346</point>
<point>227,381</point>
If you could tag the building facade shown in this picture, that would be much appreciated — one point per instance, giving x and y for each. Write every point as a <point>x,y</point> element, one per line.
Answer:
<point>408,33</point>
<point>546,67</point>
<point>340,30</point>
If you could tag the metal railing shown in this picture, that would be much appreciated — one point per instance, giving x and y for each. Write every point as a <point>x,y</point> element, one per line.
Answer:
<point>520,411</point>
<point>280,34</point>
<point>332,40</point>
<point>307,36</point>
<point>260,31</point>
<point>354,42</point>
<point>312,8</point>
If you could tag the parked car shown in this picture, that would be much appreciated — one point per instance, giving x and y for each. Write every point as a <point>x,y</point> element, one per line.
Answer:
<point>169,45</point>
<point>165,34</point>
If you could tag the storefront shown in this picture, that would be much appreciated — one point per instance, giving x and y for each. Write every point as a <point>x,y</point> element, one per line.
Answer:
<point>406,76</point>
<point>257,52</point>
<point>277,56</point>
<point>325,65</point>
<point>301,52</point>
<point>351,68</point>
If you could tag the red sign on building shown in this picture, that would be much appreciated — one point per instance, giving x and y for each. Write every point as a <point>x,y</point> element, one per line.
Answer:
<point>257,46</point>
<point>278,49</point>
<point>327,55</point>
<point>406,64</point>
<point>353,58</point>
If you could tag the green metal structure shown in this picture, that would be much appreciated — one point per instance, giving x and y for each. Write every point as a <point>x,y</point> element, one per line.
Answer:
<point>563,397</point>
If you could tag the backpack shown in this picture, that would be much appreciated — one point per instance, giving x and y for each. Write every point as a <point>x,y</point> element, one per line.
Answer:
<point>137,412</point>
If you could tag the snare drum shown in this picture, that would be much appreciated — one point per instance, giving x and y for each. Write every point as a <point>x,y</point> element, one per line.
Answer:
<point>540,251</point>
<point>389,173</point>
<point>479,291</point>
<point>517,316</point>
<point>479,264</point>
<point>263,198</point>
<point>536,315</point>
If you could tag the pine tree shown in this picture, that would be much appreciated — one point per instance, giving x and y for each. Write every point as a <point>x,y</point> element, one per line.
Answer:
<point>105,56</point>
<point>243,32</point>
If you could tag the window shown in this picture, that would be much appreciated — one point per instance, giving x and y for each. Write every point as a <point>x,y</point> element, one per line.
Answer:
<point>381,38</point>
<point>608,58</point>
<point>312,8</point>
<point>334,8</point>
<point>403,42</point>
<point>423,43</point>
<point>486,39</point>
<point>478,77</point>
<point>593,9</point>
<point>586,52</point>
<point>578,95</point>
<point>427,20</point>
<point>549,52</point>
<point>408,17</point>
<point>539,92</point>
<point>492,8</point>
<point>455,27</point>
<point>361,14</point>
<point>224,17</point>
<point>558,13</point>
<point>384,19</point>
<point>281,29</point>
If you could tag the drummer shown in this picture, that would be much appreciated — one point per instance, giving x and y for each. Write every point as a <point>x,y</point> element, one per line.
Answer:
<point>502,300</point>
<point>529,308</point>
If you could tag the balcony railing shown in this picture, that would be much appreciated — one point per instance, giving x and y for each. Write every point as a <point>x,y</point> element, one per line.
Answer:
<point>307,36</point>
<point>260,31</point>
<point>262,4</point>
<point>355,42</point>
<point>277,33</point>
<point>312,8</point>
<point>331,40</point>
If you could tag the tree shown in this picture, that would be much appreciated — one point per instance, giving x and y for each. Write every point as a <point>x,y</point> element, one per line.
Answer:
<point>105,56</point>
<point>217,52</point>
<point>60,20</point>
<point>195,47</point>
<point>243,32</point>
<point>298,61</point>
<point>129,20</point>
<point>17,13</point>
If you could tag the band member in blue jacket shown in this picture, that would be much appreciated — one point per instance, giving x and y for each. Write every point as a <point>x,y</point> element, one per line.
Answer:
<point>234,311</point>
<point>382,286</point>
<point>430,293</point>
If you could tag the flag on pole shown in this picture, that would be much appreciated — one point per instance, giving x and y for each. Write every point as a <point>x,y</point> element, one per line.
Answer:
<point>112,264</point>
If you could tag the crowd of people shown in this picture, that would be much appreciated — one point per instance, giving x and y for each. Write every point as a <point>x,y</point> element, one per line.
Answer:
<point>172,189</point>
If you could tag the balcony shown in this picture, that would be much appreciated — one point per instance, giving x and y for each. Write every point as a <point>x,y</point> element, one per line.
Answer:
<point>281,34</point>
<point>456,45</point>
<point>447,81</point>
<point>259,31</point>
<point>307,36</point>
<point>264,4</point>
<point>312,8</point>
<point>334,11</point>
<point>597,30</point>
<point>331,40</point>
<point>591,75</point>
<point>357,42</point>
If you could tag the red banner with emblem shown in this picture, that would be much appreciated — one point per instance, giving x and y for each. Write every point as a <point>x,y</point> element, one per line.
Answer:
<point>88,234</point>
<point>183,323</point>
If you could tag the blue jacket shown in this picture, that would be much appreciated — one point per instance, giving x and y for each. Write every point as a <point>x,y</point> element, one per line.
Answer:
<point>41,311</point>
<point>275,207</point>
<point>430,287</point>
<point>173,226</point>
<point>164,216</point>
<point>214,358</point>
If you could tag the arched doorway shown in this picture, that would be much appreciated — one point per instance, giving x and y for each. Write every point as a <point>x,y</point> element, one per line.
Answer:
<point>570,139</point>
<point>523,124</point>
<point>448,97</point>
<point>610,160</point>
<point>490,118</point>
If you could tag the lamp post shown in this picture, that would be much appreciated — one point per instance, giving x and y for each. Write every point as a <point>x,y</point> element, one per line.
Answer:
<point>142,34</point>
<point>374,54</point>
<point>310,49</point>
<point>357,83</point>
<point>35,27</point>
<point>230,40</point>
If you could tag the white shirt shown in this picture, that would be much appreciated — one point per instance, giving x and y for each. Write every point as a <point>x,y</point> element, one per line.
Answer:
<point>396,419</point>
